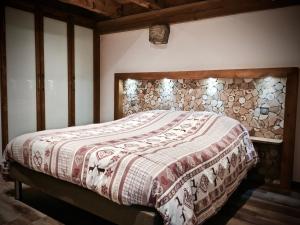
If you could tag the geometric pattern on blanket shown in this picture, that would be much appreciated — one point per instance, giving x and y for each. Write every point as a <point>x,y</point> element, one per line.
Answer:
<point>185,164</point>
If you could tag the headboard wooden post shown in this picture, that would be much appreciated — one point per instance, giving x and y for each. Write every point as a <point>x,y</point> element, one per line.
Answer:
<point>291,74</point>
<point>290,115</point>
<point>118,98</point>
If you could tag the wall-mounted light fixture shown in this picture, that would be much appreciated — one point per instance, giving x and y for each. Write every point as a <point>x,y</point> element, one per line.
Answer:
<point>159,34</point>
<point>131,86</point>
<point>166,87</point>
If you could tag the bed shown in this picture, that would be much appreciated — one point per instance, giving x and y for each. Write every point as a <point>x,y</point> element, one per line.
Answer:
<point>158,166</point>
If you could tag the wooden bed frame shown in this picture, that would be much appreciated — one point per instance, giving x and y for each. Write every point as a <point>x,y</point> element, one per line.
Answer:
<point>138,215</point>
<point>83,198</point>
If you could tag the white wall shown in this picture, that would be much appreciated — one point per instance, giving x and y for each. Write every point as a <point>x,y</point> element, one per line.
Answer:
<point>258,39</point>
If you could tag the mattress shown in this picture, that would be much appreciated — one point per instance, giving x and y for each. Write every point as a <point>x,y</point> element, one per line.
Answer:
<point>184,164</point>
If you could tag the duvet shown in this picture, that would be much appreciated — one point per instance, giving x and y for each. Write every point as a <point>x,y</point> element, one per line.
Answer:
<point>185,164</point>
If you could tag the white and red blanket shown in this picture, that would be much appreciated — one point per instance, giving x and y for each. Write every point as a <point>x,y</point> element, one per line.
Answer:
<point>185,164</point>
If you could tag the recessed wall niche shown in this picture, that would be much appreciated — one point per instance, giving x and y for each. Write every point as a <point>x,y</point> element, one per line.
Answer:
<point>257,103</point>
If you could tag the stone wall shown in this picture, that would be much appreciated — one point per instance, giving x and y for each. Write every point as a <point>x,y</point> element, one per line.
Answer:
<point>257,103</point>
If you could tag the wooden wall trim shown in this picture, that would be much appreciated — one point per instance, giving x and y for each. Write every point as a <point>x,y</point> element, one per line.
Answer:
<point>188,12</point>
<point>96,91</point>
<point>71,72</point>
<point>40,73</point>
<point>3,80</point>
<point>231,73</point>
<point>290,73</point>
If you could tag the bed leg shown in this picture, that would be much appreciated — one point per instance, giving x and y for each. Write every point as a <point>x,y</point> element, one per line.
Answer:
<point>18,190</point>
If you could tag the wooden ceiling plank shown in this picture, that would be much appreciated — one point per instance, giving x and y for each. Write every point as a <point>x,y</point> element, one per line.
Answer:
<point>105,7</point>
<point>148,4</point>
<point>188,12</point>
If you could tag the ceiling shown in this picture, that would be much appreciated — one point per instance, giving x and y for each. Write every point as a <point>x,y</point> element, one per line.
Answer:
<point>122,15</point>
<point>120,8</point>
<point>108,16</point>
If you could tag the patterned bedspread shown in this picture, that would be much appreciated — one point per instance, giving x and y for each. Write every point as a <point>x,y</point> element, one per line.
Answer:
<point>185,164</point>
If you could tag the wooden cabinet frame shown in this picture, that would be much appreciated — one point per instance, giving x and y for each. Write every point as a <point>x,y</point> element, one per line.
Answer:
<point>40,12</point>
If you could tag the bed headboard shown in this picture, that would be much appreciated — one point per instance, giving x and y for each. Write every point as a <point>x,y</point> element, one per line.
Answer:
<point>264,100</point>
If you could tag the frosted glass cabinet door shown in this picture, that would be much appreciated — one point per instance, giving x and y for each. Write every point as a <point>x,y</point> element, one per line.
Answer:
<point>83,75</point>
<point>56,73</point>
<point>21,88</point>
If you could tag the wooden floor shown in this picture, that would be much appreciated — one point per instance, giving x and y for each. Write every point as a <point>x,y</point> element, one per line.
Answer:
<point>247,206</point>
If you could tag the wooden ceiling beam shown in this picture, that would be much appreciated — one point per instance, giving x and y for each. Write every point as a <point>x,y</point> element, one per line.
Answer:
<point>105,7</point>
<point>149,4</point>
<point>189,12</point>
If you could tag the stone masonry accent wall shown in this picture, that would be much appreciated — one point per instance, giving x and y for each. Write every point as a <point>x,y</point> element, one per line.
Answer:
<point>256,103</point>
